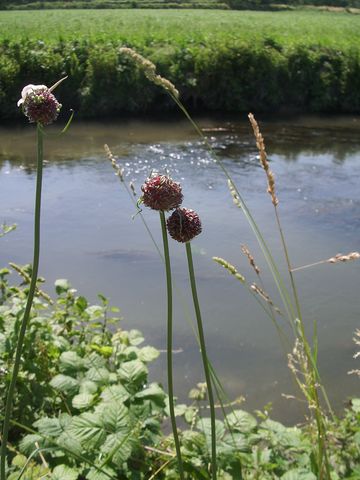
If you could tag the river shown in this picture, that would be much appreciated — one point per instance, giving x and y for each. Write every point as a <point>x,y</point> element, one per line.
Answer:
<point>91,236</point>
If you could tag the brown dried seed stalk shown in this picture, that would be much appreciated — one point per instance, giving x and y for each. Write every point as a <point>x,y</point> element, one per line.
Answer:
<point>27,280</point>
<point>263,159</point>
<point>265,296</point>
<point>230,268</point>
<point>150,70</point>
<point>251,259</point>
<point>118,170</point>
<point>344,258</point>
<point>339,257</point>
<point>234,194</point>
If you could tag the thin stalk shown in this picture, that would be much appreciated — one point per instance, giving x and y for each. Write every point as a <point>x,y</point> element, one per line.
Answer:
<point>204,359</point>
<point>169,343</point>
<point>32,288</point>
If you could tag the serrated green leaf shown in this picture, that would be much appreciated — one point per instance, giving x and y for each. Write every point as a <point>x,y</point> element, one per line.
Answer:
<point>298,474</point>
<point>62,286</point>
<point>118,447</point>
<point>65,384</point>
<point>204,424</point>
<point>19,460</point>
<point>63,472</point>
<point>88,429</point>
<point>153,392</point>
<point>94,361</point>
<point>115,417</point>
<point>148,354</point>
<point>70,362</point>
<point>98,375</point>
<point>136,337</point>
<point>355,405</point>
<point>115,393</point>
<point>87,386</point>
<point>27,444</point>
<point>133,372</point>
<point>49,427</point>
<point>83,400</point>
<point>69,444</point>
<point>241,421</point>
<point>105,473</point>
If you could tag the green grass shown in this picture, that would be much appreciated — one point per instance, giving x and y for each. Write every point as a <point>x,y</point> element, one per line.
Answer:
<point>146,27</point>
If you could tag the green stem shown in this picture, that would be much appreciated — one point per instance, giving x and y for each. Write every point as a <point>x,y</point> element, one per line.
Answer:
<point>32,288</point>
<point>169,343</point>
<point>204,359</point>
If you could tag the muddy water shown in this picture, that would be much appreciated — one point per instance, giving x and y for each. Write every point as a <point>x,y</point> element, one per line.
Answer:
<point>89,236</point>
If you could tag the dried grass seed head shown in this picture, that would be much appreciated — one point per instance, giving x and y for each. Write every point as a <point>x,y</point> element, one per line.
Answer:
<point>160,192</point>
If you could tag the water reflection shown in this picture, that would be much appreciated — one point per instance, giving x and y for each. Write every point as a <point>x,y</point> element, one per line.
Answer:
<point>90,237</point>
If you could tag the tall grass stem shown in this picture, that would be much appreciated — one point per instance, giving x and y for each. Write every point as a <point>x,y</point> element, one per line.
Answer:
<point>204,358</point>
<point>30,298</point>
<point>169,343</point>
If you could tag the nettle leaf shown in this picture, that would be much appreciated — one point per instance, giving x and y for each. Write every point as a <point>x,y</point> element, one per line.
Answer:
<point>148,354</point>
<point>133,372</point>
<point>70,362</point>
<point>242,421</point>
<point>115,393</point>
<point>83,400</point>
<point>88,429</point>
<point>65,384</point>
<point>49,427</point>
<point>298,474</point>
<point>63,472</point>
<point>153,392</point>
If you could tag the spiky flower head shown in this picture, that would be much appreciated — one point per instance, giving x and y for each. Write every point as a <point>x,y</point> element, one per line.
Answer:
<point>160,192</point>
<point>183,225</point>
<point>39,104</point>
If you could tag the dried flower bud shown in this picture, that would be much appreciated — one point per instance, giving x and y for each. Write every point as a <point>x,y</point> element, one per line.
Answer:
<point>183,225</point>
<point>39,104</point>
<point>161,193</point>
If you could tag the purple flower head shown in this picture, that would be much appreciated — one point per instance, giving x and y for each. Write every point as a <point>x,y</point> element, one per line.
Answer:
<point>183,225</point>
<point>39,104</point>
<point>161,193</point>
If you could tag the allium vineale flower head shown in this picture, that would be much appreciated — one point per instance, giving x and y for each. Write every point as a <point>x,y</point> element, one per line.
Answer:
<point>39,104</point>
<point>183,225</point>
<point>160,192</point>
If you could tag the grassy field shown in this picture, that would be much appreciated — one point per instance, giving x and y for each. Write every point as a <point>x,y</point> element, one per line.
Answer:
<point>146,27</point>
<point>219,60</point>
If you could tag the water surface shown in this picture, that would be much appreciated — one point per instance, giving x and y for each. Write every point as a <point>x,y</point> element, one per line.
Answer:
<point>89,236</point>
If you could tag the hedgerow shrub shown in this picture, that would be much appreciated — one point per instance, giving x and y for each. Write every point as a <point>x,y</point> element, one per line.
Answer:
<point>223,76</point>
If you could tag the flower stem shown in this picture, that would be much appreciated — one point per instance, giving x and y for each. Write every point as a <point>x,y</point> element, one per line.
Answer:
<point>32,288</point>
<point>204,359</point>
<point>169,343</point>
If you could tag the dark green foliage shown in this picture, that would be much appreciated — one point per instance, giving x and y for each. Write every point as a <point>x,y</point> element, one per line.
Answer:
<point>84,399</point>
<point>228,76</point>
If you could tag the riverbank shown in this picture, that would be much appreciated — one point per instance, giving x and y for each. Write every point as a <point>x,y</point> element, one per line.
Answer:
<point>224,61</point>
